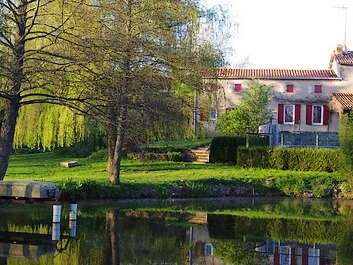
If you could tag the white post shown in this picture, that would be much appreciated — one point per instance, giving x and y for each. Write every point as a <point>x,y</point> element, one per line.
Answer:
<point>57,213</point>
<point>73,212</point>
<point>73,229</point>
<point>55,233</point>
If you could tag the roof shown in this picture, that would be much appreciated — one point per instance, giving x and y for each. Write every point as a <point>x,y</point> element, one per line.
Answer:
<point>345,58</point>
<point>345,99</point>
<point>272,74</point>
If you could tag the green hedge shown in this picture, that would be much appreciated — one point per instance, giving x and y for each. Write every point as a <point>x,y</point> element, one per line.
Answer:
<point>224,148</point>
<point>301,159</point>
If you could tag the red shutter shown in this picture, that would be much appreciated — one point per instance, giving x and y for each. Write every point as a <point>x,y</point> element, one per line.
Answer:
<point>309,114</point>
<point>280,113</point>
<point>290,88</point>
<point>326,115</point>
<point>318,89</point>
<point>237,87</point>
<point>297,113</point>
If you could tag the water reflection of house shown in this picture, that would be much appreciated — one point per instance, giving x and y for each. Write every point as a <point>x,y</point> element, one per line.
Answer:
<point>201,249</point>
<point>284,253</point>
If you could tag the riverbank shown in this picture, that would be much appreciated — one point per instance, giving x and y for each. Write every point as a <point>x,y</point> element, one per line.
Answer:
<point>157,179</point>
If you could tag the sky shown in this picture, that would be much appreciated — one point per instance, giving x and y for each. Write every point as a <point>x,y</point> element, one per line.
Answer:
<point>286,33</point>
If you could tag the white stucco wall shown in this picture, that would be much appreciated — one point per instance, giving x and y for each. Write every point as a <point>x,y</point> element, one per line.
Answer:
<point>303,94</point>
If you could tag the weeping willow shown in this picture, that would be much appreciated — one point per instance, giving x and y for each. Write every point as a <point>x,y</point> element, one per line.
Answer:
<point>49,126</point>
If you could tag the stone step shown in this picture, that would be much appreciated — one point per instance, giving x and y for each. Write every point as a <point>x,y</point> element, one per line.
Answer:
<point>202,155</point>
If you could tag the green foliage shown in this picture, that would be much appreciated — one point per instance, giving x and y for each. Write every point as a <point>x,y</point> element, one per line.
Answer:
<point>49,126</point>
<point>346,140</point>
<point>224,148</point>
<point>169,156</point>
<point>174,146</point>
<point>254,157</point>
<point>301,159</point>
<point>252,112</point>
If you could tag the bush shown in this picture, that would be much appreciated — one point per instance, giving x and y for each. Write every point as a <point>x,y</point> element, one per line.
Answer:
<point>346,140</point>
<point>301,159</point>
<point>169,156</point>
<point>254,157</point>
<point>224,149</point>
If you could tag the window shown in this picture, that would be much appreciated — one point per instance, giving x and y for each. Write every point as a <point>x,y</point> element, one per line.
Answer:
<point>237,88</point>
<point>213,115</point>
<point>290,88</point>
<point>318,89</point>
<point>285,255</point>
<point>289,114</point>
<point>318,115</point>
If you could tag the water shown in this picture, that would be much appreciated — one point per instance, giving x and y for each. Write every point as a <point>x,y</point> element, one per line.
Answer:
<point>236,232</point>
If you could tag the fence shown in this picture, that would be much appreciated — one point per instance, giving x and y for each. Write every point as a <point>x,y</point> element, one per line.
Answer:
<point>308,139</point>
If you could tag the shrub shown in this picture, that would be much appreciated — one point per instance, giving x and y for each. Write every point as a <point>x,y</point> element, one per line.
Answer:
<point>169,156</point>
<point>224,149</point>
<point>254,157</point>
<point>346,140</point>
<point>301,159</point>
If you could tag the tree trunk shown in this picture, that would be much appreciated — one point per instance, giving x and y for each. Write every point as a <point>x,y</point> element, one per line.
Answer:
<point>111,141</point>
<point>111,253</point>
<point>120,140</point>
<point>7,132</point>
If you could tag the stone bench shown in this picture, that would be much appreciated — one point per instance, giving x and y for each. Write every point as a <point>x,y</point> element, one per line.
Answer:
<point>29,190</point>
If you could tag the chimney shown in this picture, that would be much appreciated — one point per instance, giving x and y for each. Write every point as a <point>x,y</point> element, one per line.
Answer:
<point>339,49</point>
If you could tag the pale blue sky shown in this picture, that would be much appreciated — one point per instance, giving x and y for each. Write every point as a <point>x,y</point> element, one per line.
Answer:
<point>286,33</point>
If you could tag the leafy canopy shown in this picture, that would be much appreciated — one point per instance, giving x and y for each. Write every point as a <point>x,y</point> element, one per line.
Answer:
<point>252,112</point>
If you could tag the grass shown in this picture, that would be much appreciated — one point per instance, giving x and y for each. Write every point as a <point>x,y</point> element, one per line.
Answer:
<point>167,176</point>
<point>45,167</point>
<point>175,146</point>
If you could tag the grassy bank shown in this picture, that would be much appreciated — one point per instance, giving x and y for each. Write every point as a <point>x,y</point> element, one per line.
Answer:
<point>170,179</point>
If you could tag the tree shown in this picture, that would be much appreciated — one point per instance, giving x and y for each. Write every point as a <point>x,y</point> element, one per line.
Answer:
<point>252,112</point>
<point>36,61</point>
<point>143,49</point>
<point>346,140</point>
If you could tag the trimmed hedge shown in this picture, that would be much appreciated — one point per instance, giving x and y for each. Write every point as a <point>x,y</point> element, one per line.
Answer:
<point>224,148</point>
<point>170,156</point>
<point>301,159</point>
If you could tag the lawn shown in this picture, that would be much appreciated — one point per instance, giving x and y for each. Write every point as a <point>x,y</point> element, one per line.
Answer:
<point>157,179</point>
<point>45,167</point>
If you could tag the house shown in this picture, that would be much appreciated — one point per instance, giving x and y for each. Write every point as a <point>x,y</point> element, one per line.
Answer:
<point>306,104</point>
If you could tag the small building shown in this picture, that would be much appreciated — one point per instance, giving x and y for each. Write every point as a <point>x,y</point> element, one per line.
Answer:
<point>306,104</point>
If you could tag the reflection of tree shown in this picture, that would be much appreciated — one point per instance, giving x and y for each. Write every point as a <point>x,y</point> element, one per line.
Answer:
<point>112,254</point>
<point>234,252</point>
<point>3,261</point>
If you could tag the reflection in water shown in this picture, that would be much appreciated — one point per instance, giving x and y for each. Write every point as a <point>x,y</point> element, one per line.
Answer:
<point>292,253</point>
<point>111,236</point>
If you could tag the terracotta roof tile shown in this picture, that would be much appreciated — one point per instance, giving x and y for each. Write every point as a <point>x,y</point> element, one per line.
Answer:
<point>272,74</point>
<point>345,99</point>
<point>345,58</point>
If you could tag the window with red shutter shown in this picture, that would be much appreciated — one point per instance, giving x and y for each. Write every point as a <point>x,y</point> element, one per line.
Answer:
<point>309,114</point>
<point>290,88</point>
<point>237,88</point>
<point>317,114</point>
<point>318,89</point>
<point>297,113</point>
<point>280,113</point>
